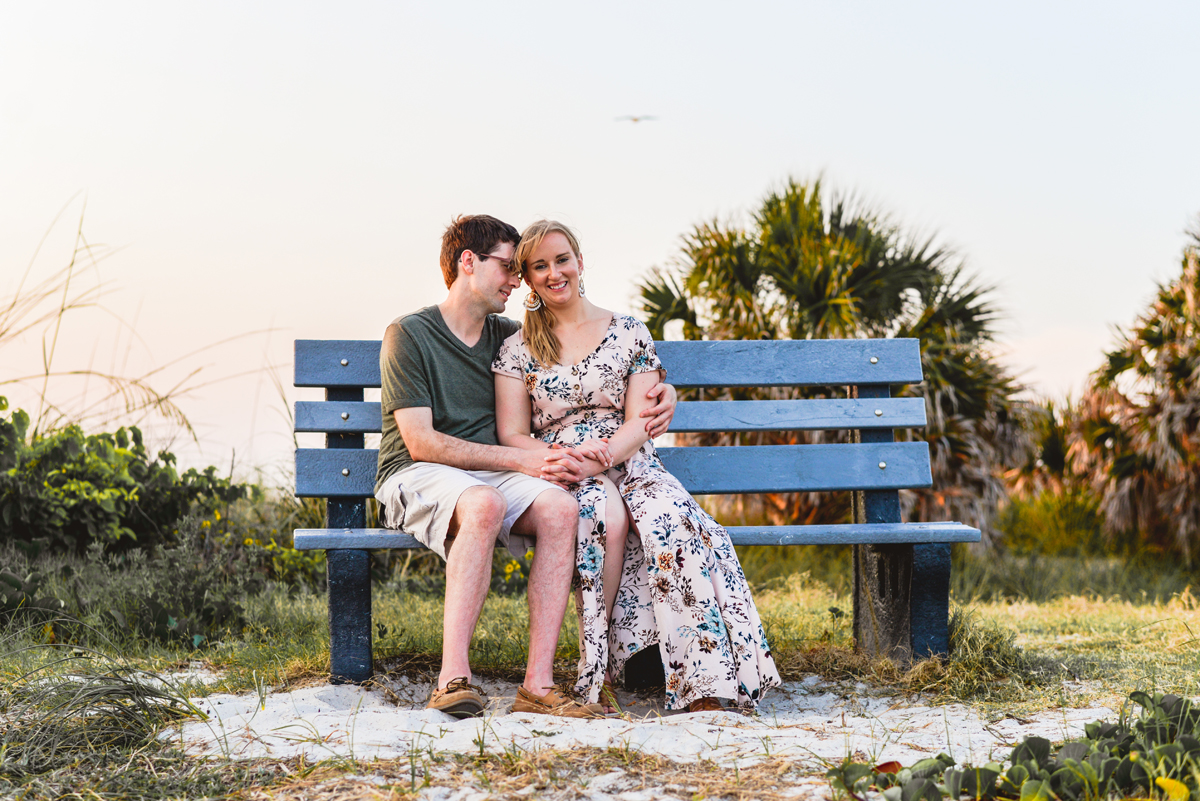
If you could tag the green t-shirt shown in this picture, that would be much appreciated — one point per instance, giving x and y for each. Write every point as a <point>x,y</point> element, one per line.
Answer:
<point>422,363</point>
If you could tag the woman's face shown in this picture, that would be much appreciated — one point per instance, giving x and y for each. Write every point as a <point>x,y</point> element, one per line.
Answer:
<point>553,270</point>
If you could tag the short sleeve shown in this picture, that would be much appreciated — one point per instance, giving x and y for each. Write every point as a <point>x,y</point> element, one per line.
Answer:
<point>510,359</point>
<point>644,358</point>
<point>404,381</point>
<point>507,327</point>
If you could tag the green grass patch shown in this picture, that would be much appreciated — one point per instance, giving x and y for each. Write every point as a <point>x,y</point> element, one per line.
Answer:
<point>1005,650</point>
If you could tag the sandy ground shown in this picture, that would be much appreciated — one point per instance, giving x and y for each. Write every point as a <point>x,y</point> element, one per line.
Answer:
<point>809,724</point>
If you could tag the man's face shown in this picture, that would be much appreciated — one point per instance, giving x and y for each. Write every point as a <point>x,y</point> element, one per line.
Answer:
<point>495,276</point>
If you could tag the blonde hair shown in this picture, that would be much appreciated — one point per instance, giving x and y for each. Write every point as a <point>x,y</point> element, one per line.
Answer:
<point>539,325</point>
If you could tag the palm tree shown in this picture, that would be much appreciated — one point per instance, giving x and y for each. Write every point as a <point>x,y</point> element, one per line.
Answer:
<point>811,266</point>
<point>1137,433</point>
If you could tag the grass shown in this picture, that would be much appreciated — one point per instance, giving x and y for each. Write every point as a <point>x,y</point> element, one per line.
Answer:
<point>1004,651</point>
<point>1115,643</point>
<point>1013,654</point>
<point>568,773</point>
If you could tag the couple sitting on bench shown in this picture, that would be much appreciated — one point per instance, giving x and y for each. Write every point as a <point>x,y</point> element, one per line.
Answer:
<point>463,389</point>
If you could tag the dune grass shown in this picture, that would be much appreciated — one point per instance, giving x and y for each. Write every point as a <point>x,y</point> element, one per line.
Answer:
<point>1005,650</point>
<point>66,711</point>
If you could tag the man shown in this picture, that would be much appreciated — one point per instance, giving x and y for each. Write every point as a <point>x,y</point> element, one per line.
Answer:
<point>443,478</point>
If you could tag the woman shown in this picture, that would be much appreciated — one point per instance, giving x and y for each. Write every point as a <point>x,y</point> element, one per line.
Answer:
<point>653,567</point>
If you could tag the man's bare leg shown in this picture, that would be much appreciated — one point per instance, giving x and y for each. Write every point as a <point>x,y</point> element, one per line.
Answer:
<point>553,518</point>
<point>478,518</point>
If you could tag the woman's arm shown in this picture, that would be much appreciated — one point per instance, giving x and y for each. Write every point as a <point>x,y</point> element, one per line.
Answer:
<point>514,414</point>
<point>632,434</point>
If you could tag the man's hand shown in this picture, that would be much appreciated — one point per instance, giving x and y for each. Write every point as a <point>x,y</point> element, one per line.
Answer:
<point>562,465</point>
<point>579,469</point>
<point>662,412</point>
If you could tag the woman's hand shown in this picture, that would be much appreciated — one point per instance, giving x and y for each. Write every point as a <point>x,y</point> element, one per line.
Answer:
<point>596,449</point>
<point>580,465</point>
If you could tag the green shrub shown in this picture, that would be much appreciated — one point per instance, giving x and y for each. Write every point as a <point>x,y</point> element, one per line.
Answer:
<point>190,592</point>
<point>255,534</point>
<point>1064,523</point>
<point>1038,578</point>
<point>1157,754</point>
<point>21,598</point>
<point>187,592</point>
<point>69,489</point>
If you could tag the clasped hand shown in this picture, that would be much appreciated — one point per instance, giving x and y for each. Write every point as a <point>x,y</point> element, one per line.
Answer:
<point>572,465</point>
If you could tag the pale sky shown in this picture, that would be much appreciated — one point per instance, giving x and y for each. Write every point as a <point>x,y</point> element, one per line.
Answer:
<point>292,165</point>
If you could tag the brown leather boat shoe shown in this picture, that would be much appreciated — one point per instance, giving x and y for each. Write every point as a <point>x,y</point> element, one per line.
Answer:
<point>555,702</point>
<point>459,699</point>
<point>706,704</point>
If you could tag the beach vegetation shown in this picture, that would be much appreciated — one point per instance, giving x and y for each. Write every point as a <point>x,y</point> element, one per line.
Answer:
<point>809,263</point>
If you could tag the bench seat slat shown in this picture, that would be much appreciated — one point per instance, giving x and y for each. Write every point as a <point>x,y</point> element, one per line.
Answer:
<point>702,471</point>
<point>845,534</point>
<point>358,539</point>
<point>854,534</point>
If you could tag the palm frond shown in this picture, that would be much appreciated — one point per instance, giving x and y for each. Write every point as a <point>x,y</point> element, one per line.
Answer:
<point>662,300</point>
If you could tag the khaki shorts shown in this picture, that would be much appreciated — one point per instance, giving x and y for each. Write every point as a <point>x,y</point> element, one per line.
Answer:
<point>420,500</point>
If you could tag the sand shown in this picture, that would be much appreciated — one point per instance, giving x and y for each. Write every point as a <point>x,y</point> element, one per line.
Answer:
<point>808,722</point>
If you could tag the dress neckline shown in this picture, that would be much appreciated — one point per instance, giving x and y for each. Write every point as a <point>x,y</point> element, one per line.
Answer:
<point>612,319</point>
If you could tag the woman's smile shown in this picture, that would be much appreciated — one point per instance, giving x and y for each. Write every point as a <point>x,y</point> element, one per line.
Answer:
<point>553,269</point>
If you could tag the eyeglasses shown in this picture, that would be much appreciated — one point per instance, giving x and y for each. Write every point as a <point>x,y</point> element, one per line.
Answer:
<point>505,263</point>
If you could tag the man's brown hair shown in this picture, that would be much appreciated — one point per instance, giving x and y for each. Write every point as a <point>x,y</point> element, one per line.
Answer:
<point>478,233</point>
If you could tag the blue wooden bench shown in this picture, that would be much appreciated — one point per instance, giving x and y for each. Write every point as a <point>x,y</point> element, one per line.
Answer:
<point>901,570</point>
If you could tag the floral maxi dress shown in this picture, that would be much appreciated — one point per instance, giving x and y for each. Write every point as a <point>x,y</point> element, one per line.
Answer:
<point>682,586</point>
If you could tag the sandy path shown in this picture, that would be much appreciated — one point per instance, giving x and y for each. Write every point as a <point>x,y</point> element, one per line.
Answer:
<point>806,722</point>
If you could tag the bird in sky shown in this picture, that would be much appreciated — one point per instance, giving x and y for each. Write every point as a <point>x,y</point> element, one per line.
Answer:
<point>635,118</point>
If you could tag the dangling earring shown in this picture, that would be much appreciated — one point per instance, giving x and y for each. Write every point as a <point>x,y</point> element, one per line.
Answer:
<point>581,292</point>
<point>533,301</point>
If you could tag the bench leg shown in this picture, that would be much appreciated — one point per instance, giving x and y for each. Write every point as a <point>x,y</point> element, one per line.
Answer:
<point>931,600</point>
<point>882,590</point>
<point>349,574</point>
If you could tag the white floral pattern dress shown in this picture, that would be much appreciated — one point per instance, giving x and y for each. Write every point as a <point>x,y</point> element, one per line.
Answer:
<point>682,586</point>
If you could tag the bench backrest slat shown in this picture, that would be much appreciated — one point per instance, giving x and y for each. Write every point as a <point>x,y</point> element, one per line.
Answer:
<point>321,417</point>
<point>318,362</point>
<point>791,363</point>
<point>702,470</point>
<point>690,416</point>
<point>831,414</point>
<point>774,363</point>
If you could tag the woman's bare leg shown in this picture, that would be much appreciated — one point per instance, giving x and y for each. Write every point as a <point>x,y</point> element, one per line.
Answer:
<point>616,530</point>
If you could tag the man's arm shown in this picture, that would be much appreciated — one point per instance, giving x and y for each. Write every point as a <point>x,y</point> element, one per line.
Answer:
<point>427,445</point>
<point>663,411</point>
